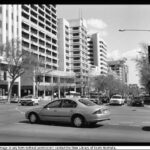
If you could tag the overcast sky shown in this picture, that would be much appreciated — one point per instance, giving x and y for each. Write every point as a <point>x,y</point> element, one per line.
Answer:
<point>108,19</point>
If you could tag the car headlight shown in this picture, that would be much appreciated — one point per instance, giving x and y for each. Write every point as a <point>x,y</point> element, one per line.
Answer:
<point>98,112</point>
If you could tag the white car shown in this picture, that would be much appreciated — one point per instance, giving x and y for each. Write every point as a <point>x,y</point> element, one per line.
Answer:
<point>117,99</point>
<point>29,100</point>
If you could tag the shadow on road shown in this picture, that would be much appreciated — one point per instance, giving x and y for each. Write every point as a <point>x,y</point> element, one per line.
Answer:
<point>146,128</point>
<point>60,124</point>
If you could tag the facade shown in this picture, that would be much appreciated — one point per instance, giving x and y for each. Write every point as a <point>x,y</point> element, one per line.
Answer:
<point>73,52</point>
<point>121,69</point>
<point>10,27</point>
<point>64,45</point>
<point>39,33</point>
<point>97,52</point>
<point>36,26</point>
<point>39,36</point>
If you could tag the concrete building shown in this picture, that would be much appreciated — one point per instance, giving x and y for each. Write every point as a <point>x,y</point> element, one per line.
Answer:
<point>10,27</point>
<point>97,52</point>
<point>64,45</point>
<point>39,36</point>
<point>120,68</point>
<point>36,27</point>
<point>73,52</point>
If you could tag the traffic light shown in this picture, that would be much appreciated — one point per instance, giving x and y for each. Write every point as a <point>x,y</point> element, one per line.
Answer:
<point>149,54</point>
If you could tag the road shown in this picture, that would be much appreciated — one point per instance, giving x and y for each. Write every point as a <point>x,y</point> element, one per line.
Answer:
<point>127,125</point>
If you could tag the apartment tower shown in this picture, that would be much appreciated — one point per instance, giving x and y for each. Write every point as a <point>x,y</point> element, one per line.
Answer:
<point>97,53</point>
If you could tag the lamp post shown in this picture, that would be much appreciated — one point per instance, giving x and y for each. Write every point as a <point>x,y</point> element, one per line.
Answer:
<point>123,30</point>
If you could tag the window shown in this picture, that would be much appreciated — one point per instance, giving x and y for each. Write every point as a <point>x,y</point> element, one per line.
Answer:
<point>86,102</point>
<point>55,104</point>
<point>69,104</point>
<point>76,52</point>
<point>0,10</point>
<point>75,28</point>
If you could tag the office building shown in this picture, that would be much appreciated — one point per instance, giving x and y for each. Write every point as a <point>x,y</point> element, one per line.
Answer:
<point>120,68</point>
<point>10,27</point>
<point>36,27</point>
<point>97,53</point>
<point>73,50</point>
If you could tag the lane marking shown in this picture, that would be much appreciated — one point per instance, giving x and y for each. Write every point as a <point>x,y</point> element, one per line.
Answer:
<point>22,112</point>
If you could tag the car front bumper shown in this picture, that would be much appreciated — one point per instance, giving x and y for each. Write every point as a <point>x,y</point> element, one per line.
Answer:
<point>115,102</point>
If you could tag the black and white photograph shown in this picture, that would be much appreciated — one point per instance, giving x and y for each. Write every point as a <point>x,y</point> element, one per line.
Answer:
<point>75,73</point>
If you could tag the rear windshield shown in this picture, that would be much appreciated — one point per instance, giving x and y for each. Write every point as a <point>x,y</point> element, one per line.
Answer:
<point>116,97</point>
<point>87,102</point>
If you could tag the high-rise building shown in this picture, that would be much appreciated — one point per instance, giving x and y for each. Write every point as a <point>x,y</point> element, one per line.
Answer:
<point>120,68</point>
<point>64,45</point>
<point>73,50</point>
<point>36,27</point>
<point>39,33</point>
<point>10,27</point>
<point>97,52</point>
<point>39,36</point>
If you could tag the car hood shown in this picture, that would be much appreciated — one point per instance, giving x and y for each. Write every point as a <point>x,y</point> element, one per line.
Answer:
<point>36,109</point>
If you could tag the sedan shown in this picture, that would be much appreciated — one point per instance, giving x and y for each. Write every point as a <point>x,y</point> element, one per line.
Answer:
<point>77,111</point>
<point>29,100</point>
<point>137,101</point>
<point>117,99</point>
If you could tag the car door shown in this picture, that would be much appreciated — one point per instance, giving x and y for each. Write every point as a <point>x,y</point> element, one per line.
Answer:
<point>68,107</point>
<point>51,112</point>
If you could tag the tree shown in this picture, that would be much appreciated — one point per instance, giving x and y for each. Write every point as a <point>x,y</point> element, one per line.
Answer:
<point>37,72</point>
<point>114,86</point>
<point>16,61</point>
<point>142,63</point>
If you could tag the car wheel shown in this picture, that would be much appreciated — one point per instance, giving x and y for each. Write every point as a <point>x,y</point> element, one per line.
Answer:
<point>33,118</point>
<point>78,121</point>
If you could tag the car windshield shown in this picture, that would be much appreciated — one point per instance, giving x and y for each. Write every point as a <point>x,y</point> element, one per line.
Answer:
<point>116,96</point>
<point>87,102</point>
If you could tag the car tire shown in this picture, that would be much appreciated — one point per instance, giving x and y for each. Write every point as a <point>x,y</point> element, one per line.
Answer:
<point>78,121</point>
<point>33,118</point>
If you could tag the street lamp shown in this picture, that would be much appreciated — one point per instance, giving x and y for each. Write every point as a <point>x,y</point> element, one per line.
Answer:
<point>123,30</point>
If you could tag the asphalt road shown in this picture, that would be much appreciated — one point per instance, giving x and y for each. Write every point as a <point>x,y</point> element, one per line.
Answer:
<point>127,125</point>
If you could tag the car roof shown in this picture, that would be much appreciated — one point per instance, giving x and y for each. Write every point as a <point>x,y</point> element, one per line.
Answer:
<point>72,98</point>
<point>117,95</point>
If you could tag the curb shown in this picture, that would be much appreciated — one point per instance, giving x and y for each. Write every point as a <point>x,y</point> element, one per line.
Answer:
<point>147,106</point>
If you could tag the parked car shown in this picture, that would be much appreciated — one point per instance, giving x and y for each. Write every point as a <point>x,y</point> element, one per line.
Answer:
<point>29,100</point>
<point>137,101</point>
<point>146,99</point>
<point>117,99</point>
<point>15,100</point>
<point>78,111</point>
<point>3,99</point>
<point>96,101</point>
<point>104,99</point>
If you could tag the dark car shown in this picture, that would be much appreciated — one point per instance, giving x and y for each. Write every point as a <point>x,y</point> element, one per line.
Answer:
<point>137,101</point>
<point>104,99</point>
<point>146,99</point>
<point>96,101</point>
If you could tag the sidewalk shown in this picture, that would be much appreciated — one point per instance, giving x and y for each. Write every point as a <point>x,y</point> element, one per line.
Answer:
<point>147,106</point>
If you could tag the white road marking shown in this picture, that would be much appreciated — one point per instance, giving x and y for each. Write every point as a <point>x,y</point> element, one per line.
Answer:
<point>148,122</point>
<point>22,112</point>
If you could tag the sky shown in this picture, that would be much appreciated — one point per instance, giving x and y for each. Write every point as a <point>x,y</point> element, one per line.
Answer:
<point>107,20</point>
